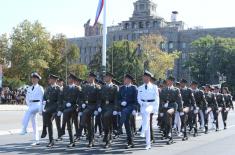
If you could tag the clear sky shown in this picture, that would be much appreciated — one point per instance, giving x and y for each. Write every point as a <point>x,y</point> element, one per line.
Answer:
<point>69,16</point>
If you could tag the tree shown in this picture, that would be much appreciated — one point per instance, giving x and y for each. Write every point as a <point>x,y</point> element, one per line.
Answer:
<point>210,57</point>
<point>3,49</point>
<point>130,56</point>
<point>156,60</point>
<point>30,50</point>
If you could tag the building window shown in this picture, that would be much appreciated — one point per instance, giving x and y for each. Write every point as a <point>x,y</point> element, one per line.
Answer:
<point>155,24</point>
<point>183,45</point>
<point>141,25</point>
<point>148,24</point>
<point>171,45</point>
<point>162,46</point>
<point>127,26</point>
<point>120,37</point>
<point>141,7</point>
<point>134,25</point>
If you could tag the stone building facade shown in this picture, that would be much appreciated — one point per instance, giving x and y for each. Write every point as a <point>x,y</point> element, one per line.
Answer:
<point>145,21</point>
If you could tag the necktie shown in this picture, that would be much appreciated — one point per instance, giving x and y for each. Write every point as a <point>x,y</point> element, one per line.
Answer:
<point>146,87</point>
<point>33,88</point>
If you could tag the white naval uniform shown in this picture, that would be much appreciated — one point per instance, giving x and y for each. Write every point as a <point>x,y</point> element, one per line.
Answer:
<point>34,93</point>
<point>146,107</point>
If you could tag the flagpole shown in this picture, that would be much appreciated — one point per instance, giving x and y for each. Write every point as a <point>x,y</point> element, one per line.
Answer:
<point>104,39</point>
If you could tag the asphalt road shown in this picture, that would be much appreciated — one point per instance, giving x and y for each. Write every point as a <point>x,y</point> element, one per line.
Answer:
<point>214,143</point>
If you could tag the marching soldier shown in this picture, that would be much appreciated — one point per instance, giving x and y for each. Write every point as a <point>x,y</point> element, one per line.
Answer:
<point>201,105</point>
<point>108,107</point>
<point>78,83</point>
<point>212,105</point>
<point>170,102</point>
<point>188,107</point>
<point>228,105</point>
<point>91,100</point>
<point>34,99</point>
<point>70,99</point>
<point>128,103</point>
<point>51,102</point>
<point>221,105</point>
<point>148,98</point>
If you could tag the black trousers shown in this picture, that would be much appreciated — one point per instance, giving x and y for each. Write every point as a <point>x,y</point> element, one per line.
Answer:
<point>107,121</point>
<point>224,117</point>
<point>47,120</point>
<point>87,121</point>
<point>75,122</point>
<point>67,120</point>
<point>168,119</point>
<point>98,124</point>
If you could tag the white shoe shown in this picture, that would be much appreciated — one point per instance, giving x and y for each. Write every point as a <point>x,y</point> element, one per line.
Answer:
<point>35,143</point>
<point>23,132</point>
<point>148,147</point>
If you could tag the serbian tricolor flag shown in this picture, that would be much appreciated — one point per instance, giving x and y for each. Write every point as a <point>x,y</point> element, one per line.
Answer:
<point>99,10</point>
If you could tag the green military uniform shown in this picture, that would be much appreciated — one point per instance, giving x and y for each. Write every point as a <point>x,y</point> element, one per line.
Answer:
<point>51,98</point>
<point>212,103</point>
<point>170,98</point>
<point>109,104</point>
<point>91,100</point>
<point>70,99</point>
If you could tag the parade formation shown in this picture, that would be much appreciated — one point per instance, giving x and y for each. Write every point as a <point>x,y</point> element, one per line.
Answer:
<point>86,106</point>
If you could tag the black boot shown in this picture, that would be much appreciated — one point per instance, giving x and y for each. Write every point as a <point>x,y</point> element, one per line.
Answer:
<point>91,144</point>
<point>44,133</point>
<point>51,144</point>
<point>72,144</point>
<point>206,129</point>
<point>107,145</point>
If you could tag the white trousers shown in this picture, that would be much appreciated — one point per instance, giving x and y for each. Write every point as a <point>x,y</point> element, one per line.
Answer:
<point>32,113</point>
<point>146,110</point>
<point>177,121</point>
<point>202,118</point>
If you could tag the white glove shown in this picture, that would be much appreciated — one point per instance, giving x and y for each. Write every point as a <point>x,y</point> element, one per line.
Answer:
<point>80,113</point>
<point>68,105</point>
<point>59,113</point>
<point>96,113</point>
<point>198,108</point>
<point>192,108</point>
<point>124,103</point>
<point>83,106</point>
<point>134,112</point>
<point>161,114</point>
<point>99,109</point>
<point>166,105</point>
<point>44,102</point>
<point>115,113</point>
<point>181,113</point>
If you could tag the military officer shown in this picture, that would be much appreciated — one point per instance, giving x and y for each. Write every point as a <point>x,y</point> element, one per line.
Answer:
<point>170,102</point>
<point>51,102</point>
<point>34,99</point>
<point>128,106</point>
<point>228,105</point>
<point>212,105</point>
<point>70,99</point>
<point>189,105</point>
<point>148,98</point>
<point>221,104</point>
<point>201,105</point>
<point>108,107</point>
<point>78,83</point>
<point>91,100</point>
